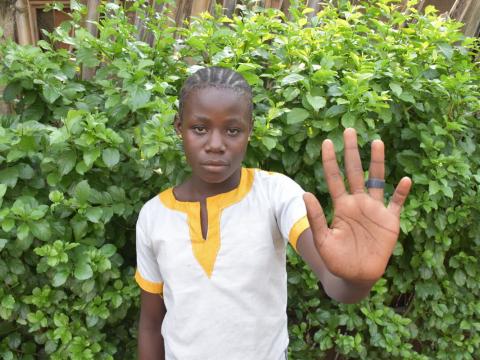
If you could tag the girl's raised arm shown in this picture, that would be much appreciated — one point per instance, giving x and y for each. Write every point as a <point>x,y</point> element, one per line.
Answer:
<point>352,254</point>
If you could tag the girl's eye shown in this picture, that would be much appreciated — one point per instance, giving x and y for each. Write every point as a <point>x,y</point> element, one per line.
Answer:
<point>200,130</point>
<point>233,132</point>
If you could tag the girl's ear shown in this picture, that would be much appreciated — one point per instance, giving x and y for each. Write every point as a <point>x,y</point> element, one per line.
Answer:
<point>177,125</point>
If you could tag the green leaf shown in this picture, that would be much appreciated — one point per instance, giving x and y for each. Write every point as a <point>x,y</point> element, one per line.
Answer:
<point>3,190</point>
<point>108,250</point>
<point>94,214</point>
<point>313,148</point>
<point>317,102</point>
<point>292,79</point>
<point>348,120</point>
<point>446,50</point>
<point>335,110</point>
<point>83,271</point>
<point>3,242</point>
<point>297,115</point>
<point>9,176</point>
<point>88,57</point>
<point>82,191</point>
<point>59,136</point>
<point>407,97</point>
<point>25,172</point>
<point>60,278</point>
<point>41,230</point>
<point>8,224</point>
<point>11,91</point>
<point>396,88</point>
<point>66,162</point>
<point>269,142</point>
<point>90,156</point>
<point>459,277</point>
<point>110,157</point>
<point>139,98</point>
<point>23,231</point>
<point>79,228</point>
<point>51,93</point>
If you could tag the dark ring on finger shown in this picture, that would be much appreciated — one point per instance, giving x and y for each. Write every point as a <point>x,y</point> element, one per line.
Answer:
<point>375,183</point>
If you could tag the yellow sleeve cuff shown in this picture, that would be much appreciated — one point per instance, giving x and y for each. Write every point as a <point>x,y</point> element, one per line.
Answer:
<point>297,229</point>
<point>151,287</point>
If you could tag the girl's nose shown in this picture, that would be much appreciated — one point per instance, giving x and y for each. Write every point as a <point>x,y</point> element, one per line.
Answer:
<point>215,142</point>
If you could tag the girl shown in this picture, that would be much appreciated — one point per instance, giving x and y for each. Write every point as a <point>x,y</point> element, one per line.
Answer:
<point>211,251</point>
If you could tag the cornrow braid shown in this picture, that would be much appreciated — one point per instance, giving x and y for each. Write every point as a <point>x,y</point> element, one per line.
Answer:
<point>217,77</point>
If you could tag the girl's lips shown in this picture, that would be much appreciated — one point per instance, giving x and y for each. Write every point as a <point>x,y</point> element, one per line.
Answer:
<point>215,163</point>
<point>215,167</point>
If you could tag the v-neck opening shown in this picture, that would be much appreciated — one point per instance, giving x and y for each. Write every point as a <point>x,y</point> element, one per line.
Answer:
<point>206,249</point>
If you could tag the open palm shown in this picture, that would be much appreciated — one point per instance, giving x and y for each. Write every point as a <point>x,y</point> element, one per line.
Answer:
<point>363,232</point>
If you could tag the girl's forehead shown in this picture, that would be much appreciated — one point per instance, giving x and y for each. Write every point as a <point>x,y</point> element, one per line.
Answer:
<point>216,99</point>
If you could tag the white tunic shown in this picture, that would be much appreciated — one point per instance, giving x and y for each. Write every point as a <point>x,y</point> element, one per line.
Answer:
<point>226,295</point>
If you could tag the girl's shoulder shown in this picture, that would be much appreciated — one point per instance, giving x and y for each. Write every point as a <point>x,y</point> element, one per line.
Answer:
<point>153,208</point>
<point>274,180</point>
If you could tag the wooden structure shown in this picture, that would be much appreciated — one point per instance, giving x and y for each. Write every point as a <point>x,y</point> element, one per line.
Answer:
<point>29,17</point>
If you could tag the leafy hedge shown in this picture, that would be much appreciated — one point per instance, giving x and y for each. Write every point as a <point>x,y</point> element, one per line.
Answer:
<point>79,158</point>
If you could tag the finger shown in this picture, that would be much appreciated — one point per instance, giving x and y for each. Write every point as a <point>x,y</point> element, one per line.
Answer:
<point>316,217</point>
<point>377,168</point>
<point>334,177</point>
<point>399,196</point>
<point>353,164</point>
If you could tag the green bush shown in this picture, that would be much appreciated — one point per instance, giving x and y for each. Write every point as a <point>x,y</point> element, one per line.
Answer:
<point>79,158</point>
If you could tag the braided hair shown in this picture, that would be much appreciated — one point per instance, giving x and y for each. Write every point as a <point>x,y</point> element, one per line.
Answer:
<point>216,77</point>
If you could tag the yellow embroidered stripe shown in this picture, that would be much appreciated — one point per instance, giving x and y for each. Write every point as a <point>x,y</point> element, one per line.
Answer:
<point>151,287</point>
<point>205,251</point>
<point>297,229</point>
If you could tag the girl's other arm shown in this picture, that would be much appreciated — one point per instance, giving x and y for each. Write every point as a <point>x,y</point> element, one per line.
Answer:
<point>150,340</point>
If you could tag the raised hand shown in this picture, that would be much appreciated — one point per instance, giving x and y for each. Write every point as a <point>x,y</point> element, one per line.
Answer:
<point>363,233</point>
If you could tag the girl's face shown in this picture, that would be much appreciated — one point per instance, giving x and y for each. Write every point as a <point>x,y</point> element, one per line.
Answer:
<point>215,126</point>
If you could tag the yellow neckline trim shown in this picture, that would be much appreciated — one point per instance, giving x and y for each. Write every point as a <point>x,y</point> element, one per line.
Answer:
<point>205,251</point>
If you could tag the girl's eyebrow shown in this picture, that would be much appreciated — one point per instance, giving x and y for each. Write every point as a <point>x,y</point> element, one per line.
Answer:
<point>201,118</point>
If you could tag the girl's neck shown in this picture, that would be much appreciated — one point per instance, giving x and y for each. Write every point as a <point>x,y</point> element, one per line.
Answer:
<point>195,189</point>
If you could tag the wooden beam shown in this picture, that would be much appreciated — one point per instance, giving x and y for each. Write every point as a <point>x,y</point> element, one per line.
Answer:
<point>471,18</point>
<point>285,8</point>
<point>200,6</point>
<point>24,31</point>
<point>229,7</point>
<point>148,35</point>
<point>7,19</point>
<point>277,4</point>
<point>315,5</point>
<point>182,11</point>
<point>92,16</point>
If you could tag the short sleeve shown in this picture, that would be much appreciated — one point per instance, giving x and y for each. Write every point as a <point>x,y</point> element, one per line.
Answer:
<point>147,274</point>
<point>289,208</point>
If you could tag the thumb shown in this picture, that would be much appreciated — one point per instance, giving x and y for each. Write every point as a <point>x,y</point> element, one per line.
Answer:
<point>316,218</point>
